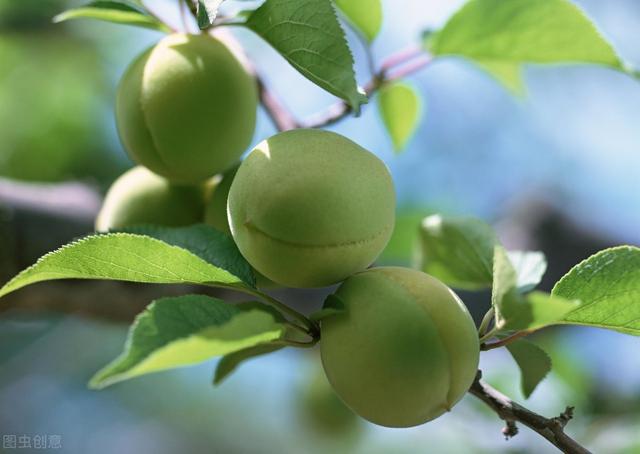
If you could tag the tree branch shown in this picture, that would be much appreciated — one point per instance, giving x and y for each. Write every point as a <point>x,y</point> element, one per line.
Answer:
<point>511,412</point>
<point>413,62</point>
<point>280,116</point>
<point>409,60</point>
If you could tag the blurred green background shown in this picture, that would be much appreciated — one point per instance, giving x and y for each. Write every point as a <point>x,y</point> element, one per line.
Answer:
<point>556,171</point>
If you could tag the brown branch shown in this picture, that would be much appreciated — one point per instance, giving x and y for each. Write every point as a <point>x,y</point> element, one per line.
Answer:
<point>411,67</point>
<point>511,412</point>
<point>413,60</point>
<point>400,57</point>
<point>280,116</point>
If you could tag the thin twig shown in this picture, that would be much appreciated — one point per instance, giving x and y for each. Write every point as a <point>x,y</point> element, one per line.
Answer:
<point>282,119</point>
<point>502,342</point>
<point>413,61</point>
<point>401,57</point>
<point>411,67</point>
<point>309,326</point>
<point>511,412</point>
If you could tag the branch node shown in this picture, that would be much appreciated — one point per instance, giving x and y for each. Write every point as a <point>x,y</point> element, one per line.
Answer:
<point>563,419</point>
<point>511,412</point>
<point>510,430</point>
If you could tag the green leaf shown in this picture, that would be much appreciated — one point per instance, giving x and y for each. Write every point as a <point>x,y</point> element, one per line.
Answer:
<point>501,35</point>
<point>608,284</point>
<point>124,257</point>
<point>533,361</point>
<point>541,310</point>
<point>503,291</point>
<point>458,251</point>
<point>364,15</point>
<point>507,73</point>
<point>206,12</point>
<point>209,244</point>
<point>186,330</point>
<point>308,35</point>
<point>332,305</point>
<point>400,109</point>
<point>530,266</point>
<point>229,363</point>
<point>119,12</point>
<point>515,312</point>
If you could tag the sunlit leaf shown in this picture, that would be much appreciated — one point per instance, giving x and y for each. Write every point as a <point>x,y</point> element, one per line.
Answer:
<point>608,284</point>
<point>530,266</point>
<point>308,35</point>
<point>501,35</point>
<point>209,244</point>
<point>186,330</point>
<point>207,11</point>
<point>514,311</point>
<point>119,12</point>
<point>364,15</point>
<point>458,251</point>
<point>400,108</point>
<point>123,257</point>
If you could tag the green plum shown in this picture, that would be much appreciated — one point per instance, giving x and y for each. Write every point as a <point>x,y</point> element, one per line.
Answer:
<point>324,410</point>
<point>215,213</point>
<point>308,208</point>
<point>186,108</point>
<point>142,197</point>
<point>404,351</point>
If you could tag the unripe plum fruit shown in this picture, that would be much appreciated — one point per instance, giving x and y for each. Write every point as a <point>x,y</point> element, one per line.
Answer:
<point>186,108</point>
<point>324,410</point>
<point>308,208</point>
<point>142,197</point>
<point>215,212</point>
<point>404,351</point>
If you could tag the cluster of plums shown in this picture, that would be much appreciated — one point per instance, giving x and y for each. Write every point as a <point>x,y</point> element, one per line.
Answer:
<point>306,208</point>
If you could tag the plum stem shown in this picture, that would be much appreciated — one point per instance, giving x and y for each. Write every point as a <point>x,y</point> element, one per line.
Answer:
<point>309,326</point>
